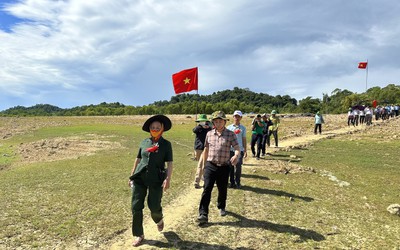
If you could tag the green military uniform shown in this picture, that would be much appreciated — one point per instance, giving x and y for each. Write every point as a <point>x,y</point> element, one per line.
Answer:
<point>149,175</point>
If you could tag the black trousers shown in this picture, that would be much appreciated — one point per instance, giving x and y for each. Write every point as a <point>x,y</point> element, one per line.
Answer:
<point>350,120</point>
<point>317,127</point>
<point>236,171</point>
<point>256,138</point>
<point>264,142</point>
<point>214,174</point>
<point>362,119</point>
<point>356,119</point>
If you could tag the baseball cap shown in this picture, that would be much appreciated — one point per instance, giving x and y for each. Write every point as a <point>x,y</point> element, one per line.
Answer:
<point>238,112</point>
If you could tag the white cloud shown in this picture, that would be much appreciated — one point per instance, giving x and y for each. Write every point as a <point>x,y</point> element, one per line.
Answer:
<point>68,52</point>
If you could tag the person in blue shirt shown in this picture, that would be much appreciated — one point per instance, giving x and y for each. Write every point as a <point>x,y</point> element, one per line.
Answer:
<point>318,123</point>
<point>240,131</point>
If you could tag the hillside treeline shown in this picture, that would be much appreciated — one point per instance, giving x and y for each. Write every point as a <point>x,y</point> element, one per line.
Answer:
<point>227,100</point>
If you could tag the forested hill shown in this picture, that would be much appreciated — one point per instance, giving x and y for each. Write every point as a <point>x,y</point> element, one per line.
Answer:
<point>227,100</point>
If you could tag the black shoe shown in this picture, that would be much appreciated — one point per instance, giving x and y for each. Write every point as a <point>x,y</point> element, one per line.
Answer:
<point>232,185</point>
<point>202,219</point>
<point>238,186</point>
<point>222,212</point>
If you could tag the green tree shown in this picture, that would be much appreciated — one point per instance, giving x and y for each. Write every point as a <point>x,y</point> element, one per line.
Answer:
<point>310,105</point>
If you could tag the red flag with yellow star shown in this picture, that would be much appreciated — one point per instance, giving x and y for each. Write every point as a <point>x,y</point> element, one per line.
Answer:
<point>362,65</point>
<point>185,80</point>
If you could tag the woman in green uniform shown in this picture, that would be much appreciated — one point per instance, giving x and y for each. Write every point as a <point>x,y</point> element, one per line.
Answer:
<point>150,175</point>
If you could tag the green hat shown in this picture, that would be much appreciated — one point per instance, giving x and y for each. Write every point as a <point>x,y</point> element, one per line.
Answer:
<point>219,115</point>
<point>350,109</point>
<point>273,112</point>
<point>202,118</point>
<point>317,112</point>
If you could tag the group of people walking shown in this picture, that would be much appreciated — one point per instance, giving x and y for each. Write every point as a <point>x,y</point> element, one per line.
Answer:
<point>262,127</point>
<point>224,149</point>
<point>360,114</point>
<point>200,144</point>
<point>219,150</point>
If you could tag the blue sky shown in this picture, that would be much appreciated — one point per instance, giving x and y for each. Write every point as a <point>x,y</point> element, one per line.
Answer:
<point>73,53</point>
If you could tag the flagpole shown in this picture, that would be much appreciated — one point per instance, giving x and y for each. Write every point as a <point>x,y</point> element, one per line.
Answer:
<point>197,92</point>
<point>366,78</point>
<point>197,101</point>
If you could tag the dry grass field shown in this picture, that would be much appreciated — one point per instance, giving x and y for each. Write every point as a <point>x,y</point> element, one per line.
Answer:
<point>64,186</point>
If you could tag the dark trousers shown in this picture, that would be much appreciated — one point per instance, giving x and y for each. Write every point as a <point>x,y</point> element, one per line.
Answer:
<point>362,119</point>
<point>350,120</point>
<point>264,142</point>
<point>368,119</point>
<point>317,127</point>
<point>275,134</point>
<point>153,202</point>
<point>256,138</point>
<point>214,174</point>
<point>236,171</point>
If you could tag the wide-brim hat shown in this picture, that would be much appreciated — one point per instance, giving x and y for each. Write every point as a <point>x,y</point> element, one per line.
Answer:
<point>202,118</point>
<point>219,115</point>
<point>160,118</point>
<point>273,112</point>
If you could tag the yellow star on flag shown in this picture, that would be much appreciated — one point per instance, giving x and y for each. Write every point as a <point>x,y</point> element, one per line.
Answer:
<point>187,80</point>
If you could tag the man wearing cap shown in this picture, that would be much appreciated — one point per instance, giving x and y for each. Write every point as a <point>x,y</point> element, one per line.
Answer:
<point>273,129</point>
<point>217,149</point>
<point>240,132</point>
<point>200,131</point>
<point>149,175</point>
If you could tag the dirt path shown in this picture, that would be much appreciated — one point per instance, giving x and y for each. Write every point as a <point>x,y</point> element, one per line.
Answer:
<point>177,212</point>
